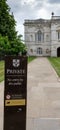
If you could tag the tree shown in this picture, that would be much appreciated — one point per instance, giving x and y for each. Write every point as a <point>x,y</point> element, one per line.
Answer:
<point>7,21</point>
<point>4,46</point>
<point>10,42</point>
<point>17,46</point>
<point>11,48</point>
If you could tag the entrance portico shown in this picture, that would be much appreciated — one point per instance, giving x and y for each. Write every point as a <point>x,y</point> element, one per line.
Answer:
<point>39,51</point>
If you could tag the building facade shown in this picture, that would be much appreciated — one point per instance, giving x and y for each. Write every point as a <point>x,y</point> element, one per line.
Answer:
<point>42,37</point>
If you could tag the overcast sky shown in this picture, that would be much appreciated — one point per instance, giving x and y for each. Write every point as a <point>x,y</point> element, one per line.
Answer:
<point>32,9</point>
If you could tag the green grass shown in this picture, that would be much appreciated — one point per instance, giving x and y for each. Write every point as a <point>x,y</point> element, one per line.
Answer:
<point>55,61</point>
<point>30,58</point>
<point>1,71</point>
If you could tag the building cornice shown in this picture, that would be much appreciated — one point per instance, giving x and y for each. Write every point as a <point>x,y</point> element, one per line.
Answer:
<point>43,22</point>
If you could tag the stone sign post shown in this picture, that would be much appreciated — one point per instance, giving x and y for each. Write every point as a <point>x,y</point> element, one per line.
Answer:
<point>15,93</point>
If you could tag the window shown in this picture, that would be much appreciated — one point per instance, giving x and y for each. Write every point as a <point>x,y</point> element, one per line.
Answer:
<point>58,35</point>
<point>47,38</point>
<point>39,36</point>
<point>31,37</point>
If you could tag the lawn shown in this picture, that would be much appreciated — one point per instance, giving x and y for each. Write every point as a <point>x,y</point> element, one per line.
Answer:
<point>55,61</point>
<point>1,70</point>
<point>30,58</point>
<point>2,67</point>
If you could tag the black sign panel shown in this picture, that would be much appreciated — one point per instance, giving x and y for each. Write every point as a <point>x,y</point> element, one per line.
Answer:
<point>15,94</point>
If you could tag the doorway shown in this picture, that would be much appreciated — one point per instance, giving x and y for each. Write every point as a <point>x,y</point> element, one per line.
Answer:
<point>58,52</point>
<point>39,51</point>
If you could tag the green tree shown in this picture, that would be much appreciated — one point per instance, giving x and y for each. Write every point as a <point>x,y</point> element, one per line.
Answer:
<point>11,47</point>
<point>17,46</point>
<point>7,21</point>
<point>4,46</point>
<point>10,42</point>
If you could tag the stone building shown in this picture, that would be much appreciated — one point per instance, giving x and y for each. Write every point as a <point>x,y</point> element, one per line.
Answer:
<point>42,36</point>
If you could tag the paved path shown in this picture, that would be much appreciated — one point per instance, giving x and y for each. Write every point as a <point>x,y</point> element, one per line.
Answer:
<point>1,104</point>
<point>43,97</point>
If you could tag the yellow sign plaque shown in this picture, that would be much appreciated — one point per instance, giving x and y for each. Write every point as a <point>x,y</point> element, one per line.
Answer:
<point>15,102</point>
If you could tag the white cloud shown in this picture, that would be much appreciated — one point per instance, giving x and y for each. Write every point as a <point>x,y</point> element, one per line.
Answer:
<point>28,2</point>
<point>32,9</point>
<point>44,12</point>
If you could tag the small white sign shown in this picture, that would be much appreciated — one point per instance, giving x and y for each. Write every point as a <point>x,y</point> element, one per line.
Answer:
<point>8,96</point>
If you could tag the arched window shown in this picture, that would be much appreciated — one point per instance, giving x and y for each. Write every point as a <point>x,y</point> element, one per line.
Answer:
<point>31,37</point>
<point>58,32</point>
<point>39,36</point>
<point>47,37</point>
<point>58,35</point>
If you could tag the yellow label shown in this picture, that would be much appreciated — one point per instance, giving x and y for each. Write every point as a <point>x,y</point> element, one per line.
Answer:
<point>15,102</point>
